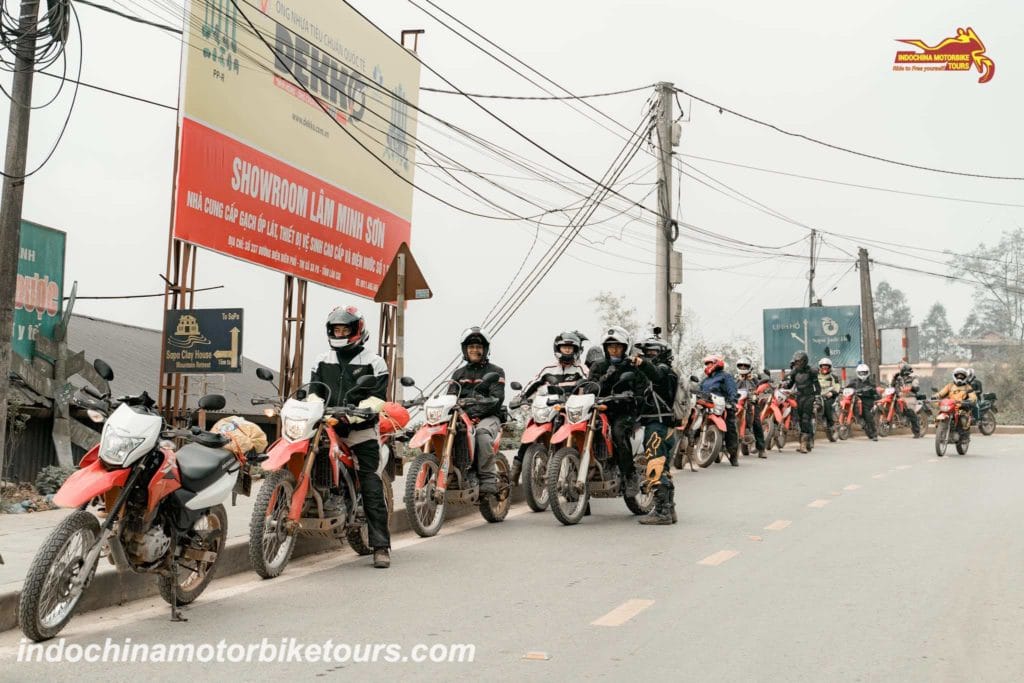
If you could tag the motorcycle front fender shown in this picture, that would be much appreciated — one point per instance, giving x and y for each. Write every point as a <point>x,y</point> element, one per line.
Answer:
<point>280,454</point>
<point>426,432</point>
<point>566,430</point>
<point>718,421</point>
<point>534,431</point>
<point>87,483</point>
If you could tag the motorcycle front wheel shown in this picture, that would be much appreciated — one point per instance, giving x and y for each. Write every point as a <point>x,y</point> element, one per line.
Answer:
<point>426,516</point>
<point>495,508</point>
<point>941,437</point>
<point>270,544</point>
<point>843,431</point>
<point>709,447</point>
<point>49,598</point>
<point>567,504</point>
<point>535,481</point>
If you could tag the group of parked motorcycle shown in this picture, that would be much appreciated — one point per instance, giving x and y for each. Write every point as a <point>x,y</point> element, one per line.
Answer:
<point>150,498</point>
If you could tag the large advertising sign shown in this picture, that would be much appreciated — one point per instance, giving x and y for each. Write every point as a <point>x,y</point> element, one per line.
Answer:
<point>38,296</point>
<point>265,174</point>
<point>832,331</point>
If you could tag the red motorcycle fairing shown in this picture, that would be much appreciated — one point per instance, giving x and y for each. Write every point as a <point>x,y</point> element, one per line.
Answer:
<point>281,453</point>
<point>91,456</point>
<point>166,481</point>
<point>424,433</point>
<point>534,430</point>
<point>89,482</point>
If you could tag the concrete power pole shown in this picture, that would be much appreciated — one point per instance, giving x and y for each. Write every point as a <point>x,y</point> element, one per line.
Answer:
<point>13,193</point>
<point>667,263</point>
<point>810,273</point>
<point>869,336</point>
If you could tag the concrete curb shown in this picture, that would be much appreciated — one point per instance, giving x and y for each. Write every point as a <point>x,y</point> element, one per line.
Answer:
<point>109,587</point>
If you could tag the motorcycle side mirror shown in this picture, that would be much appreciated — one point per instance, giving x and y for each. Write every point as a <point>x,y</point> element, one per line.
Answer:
<point>516,386</point>
<point>626,378</point>
<point>301,395</point>
<point>103,370</point>
<point>407,381</point>
<point>490,378</point>
<point>693,378</point>
<point>366,380</point>
<point>934,390</point>
<point>265,374</point>
<point>212,402</point>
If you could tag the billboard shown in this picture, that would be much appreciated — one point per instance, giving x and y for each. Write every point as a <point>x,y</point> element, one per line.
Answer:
<point>203,341</point>
<point>264,173</point>
<point>38,296</point>
<point>832,331</point>
<point>899,344</point>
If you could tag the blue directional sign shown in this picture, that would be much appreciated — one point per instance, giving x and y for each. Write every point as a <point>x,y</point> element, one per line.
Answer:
<point>832,331</point>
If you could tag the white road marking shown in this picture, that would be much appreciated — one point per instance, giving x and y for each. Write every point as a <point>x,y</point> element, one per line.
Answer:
<point>878,476</point>
<point>718,558</point>
<point>778,525</point>
<point>623,613</point>
<point>903,467</point>
<point>851,487</point>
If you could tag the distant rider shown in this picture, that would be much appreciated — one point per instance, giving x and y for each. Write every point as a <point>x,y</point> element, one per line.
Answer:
<point>719,382</point>
<point>745,379</point>
<point>805,381</point>
<point>659,426</point>
<point>906,378</point>
<point>864,388</point>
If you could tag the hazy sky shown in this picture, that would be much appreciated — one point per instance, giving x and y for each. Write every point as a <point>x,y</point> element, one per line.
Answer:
<point>821,69</point>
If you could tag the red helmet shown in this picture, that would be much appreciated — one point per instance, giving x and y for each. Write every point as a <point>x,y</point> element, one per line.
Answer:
<point>713,362</point>
<point>393,417</point>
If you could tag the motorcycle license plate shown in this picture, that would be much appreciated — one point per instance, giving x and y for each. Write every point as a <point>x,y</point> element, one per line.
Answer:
<point>243,485</point>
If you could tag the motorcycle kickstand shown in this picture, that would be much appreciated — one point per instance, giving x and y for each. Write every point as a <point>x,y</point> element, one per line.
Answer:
<point>176,614</point>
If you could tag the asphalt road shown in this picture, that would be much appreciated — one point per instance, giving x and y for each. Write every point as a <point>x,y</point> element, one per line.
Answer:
<point>858,562</point>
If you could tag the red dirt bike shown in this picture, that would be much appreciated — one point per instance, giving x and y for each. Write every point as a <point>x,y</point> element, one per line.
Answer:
<point>889,410</point>
<point>159,510</point>
<point>745,408</point>
<point>304,465</point>
<point>443,472</point>
<point>584,465</point>
<point>953,422</point>
<point>545,419</point>
<point>777,417</point>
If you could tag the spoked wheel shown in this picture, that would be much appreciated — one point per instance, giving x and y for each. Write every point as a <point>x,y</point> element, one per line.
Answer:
<point>843,431</point>
<point>987,425</point>
<point>495,508</point>
<point>642,503</point>
<point>770,428</point>
<point>941,437</point>
<point>884,427</point>
<point>535,481</point>
<point>270,543</point>
<point>208,535</point>
<point>780,436</point>
<point>963,442</point>
<point>359,537</point>
<point>567,503</point>
<point>679,456</point>
<point>709,448</point>
<point>49,597</point>
<point>426,515</point>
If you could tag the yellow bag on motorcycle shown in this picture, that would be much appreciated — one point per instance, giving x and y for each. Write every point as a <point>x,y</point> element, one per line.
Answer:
<point>243,435</point>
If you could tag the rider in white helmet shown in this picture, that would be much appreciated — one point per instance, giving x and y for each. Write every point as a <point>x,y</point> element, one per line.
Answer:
<point>830,386</point>
<point>746,379</point>
<point>867,393</point>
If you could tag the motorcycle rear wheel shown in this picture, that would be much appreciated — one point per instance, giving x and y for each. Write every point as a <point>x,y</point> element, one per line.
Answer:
<point>987,425</point>
<point>568,506</point>
<point>212,530</point>
<point>48,600</point>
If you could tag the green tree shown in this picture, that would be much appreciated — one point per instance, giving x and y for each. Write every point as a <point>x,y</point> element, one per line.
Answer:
<point>891,309</point>
<point>972,327</point>
<point>936,336</point>
<point>998,271</point>
<point>612,311</point>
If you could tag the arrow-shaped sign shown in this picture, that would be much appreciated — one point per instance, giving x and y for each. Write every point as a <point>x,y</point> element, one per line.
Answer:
<point>229,357</point>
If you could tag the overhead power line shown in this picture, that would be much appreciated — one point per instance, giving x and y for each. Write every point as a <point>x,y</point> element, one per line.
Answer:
<point>537,97</point>
<point>840,148</point>
<point>129,17</point>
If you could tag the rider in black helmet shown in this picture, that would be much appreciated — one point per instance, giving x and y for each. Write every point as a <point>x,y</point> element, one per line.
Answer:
<point>805,380</point>
<point>655,364</point>
<point>476,348</point>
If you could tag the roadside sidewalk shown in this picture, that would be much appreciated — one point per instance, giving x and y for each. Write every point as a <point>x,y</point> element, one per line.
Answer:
<point>21,536</point>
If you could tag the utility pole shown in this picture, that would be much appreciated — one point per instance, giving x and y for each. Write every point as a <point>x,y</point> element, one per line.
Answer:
<point>810,274</point>
<point>13,193</point>
<point>869,336</point>
<point>663,280</point>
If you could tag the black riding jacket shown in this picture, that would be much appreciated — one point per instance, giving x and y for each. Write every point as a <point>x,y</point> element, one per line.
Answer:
<point>805,381</point>
<point>469,378</point>
<point>339,369</point>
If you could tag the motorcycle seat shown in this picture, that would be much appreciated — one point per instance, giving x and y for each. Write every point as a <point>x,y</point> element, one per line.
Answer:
<point>200,466</point>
